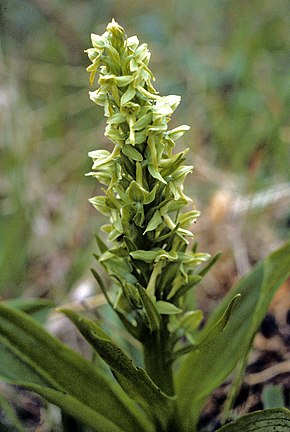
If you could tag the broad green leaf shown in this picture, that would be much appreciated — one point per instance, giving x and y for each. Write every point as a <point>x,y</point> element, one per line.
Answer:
<point>270,420</point>
<point>206,368</point>
<point>37,308</point>
<point>15,368</point>
<point>33,357</point>
<point>211,332</point>
<point>75,408</point>
<point>134,381</point>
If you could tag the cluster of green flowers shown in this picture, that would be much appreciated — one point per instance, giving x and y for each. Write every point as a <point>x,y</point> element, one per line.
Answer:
<point>143,179</point>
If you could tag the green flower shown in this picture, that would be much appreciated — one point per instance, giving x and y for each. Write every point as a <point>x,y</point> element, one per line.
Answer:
<point>150,216</point>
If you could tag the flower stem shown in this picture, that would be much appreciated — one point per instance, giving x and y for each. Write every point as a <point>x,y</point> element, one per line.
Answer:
<point>156,354</point>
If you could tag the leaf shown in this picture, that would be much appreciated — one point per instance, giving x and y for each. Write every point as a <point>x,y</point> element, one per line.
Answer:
<point>211,333</point>
<point>140,137</point>
<point>33,358</point>
<point>154,319</point>
<point>270,420</point>
<point>101,245</point>
<point>209,264</point>
<point>134,381</point>
<point>16,370</point>
<point>36,308</point>
<point>76,409</point>
<point>205,369</point>
<point>130,327</point>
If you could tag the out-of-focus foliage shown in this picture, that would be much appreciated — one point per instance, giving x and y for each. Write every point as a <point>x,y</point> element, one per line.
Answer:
<point>229,60</point>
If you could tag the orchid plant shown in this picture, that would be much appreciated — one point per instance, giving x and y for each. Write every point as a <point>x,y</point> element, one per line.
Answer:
<point>149,259</point>
<point>153,264</point>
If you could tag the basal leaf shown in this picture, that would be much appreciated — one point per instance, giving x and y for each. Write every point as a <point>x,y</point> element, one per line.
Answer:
<point>270,420</point>
<point>134,381</point>
<point>33,357</point>
<point>210,333</point>
<point>75,408</point>
<point>205,369</point>
<point>36,308</point>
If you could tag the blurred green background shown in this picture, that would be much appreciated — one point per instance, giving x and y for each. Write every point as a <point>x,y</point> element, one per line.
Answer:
<point>230,62</point>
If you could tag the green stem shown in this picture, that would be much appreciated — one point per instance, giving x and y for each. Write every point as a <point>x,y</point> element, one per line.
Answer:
<point>157,352</point>
<point>156,355</point>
